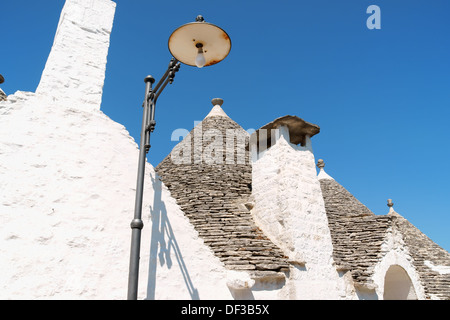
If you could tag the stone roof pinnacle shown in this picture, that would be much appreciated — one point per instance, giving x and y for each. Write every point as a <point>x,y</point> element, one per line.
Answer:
<point>322,174</point>
<point>217,110</point>
<point>390,204</point>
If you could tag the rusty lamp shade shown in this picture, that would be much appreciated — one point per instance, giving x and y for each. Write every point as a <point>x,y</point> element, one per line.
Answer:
<point>199,44</point>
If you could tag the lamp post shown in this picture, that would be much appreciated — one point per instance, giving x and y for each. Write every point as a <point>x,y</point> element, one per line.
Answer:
<point>197,44</point>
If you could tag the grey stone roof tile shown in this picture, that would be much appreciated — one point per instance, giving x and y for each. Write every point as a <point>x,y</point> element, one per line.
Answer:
<point>356,232</point>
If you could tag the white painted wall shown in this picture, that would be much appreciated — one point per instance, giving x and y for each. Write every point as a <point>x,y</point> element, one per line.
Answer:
<point>179,265</point>
<point>67,178</point>
<point>289,208</point>
<point>67,182</point>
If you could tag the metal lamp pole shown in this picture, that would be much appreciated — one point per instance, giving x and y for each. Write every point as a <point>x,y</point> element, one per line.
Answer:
<point>148,126</point>
<point>198,44</point>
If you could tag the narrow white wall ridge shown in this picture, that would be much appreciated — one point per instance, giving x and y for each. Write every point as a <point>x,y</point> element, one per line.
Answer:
<point>86,14</point>
<point>75,70</point>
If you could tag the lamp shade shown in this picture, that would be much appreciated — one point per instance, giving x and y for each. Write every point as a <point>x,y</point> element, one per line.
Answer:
<point>185,41</point>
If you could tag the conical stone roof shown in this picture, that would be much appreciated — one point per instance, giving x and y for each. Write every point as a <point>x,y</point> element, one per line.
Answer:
<point>356,233</point>
<point>212,185</point>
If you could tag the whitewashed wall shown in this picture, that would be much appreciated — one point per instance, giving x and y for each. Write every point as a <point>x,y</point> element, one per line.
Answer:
<point>68,179</point>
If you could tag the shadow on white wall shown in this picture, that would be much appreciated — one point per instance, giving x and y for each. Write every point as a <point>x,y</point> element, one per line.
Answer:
<point>163,239</point>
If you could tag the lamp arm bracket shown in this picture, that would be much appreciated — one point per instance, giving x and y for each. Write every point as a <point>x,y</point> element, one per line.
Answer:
<point>151,126</point>
<point>168,77</point>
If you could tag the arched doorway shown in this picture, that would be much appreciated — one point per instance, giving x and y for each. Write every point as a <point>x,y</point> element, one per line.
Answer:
<point>398,285</point>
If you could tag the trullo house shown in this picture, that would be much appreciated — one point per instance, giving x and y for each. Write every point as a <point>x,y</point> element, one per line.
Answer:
<point>227,215</point>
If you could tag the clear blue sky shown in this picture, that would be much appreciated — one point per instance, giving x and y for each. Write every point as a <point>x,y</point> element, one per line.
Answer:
<point>381,97</point>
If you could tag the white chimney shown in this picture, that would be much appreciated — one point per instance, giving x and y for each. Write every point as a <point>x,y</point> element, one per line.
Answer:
<point>288,203</point>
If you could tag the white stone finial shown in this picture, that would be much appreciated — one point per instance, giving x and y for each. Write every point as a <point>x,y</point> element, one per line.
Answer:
<point>390,204</point>
<point>217,102</point>
<point>217,110</point>
<point>322,174</point>
<point>320,164</point>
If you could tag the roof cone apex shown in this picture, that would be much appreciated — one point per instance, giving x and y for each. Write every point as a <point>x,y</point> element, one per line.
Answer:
<point>217,110</point>
<point>323,175</point>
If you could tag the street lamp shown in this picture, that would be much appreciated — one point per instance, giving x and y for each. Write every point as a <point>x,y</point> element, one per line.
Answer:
<point>198,44</point>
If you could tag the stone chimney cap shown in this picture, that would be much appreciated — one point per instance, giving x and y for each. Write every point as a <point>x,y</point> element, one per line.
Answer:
<point>217,101</point>
<point>298,129</point>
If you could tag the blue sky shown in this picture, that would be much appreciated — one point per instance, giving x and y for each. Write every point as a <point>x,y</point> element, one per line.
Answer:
<point>381,97</point>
